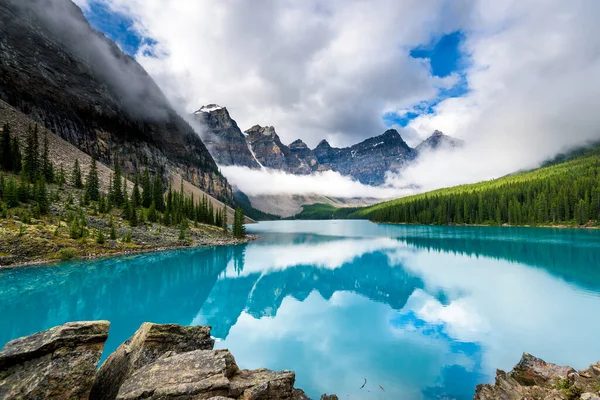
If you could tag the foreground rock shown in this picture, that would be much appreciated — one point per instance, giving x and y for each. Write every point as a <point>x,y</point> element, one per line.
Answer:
<point>149,343</point>
<point>203,374</point>
<point>57,363</point>
<point>533,378</point>
<point>158,362</point>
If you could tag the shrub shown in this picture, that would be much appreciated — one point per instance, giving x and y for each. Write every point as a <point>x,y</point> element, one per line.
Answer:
<point>67,254</point>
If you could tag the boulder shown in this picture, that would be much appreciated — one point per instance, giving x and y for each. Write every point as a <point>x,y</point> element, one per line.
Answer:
<point>533,378</point>
<point>203,374</point>
<point>532,371</point>
<point>57,363</point>
<point>150,342</point>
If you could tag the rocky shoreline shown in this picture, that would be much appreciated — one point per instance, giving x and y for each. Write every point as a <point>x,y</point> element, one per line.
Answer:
<point>158,362</point>
<point>143,250</point>
<point>169,361</point>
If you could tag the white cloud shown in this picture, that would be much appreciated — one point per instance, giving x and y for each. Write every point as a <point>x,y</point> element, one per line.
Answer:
<point>328,183</point>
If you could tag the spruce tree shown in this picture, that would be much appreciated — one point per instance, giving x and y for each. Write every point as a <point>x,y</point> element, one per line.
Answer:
<point>224,217</point>
<point>76,175</point>
<point>47,169</point>
<point>31,162</point>
<point>136,197</point>
<point>92,183</point>
<point>61,177</point>
<point>41,196</point>
<point>116,194</point>
<point>6,156</point>
<point>157,189</point>
<point>11,193</point>
<point>113,232</point>
<point>17,160</point>
<point>146,189</point>
<point>239,231</point>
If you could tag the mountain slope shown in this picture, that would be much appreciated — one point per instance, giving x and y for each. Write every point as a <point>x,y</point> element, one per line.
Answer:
<point>55,68</point>
<point>564,193</point>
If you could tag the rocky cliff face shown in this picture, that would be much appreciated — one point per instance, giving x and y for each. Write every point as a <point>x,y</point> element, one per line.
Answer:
<point>157,362</point>
<point>439,141</point>
<point>223,138</point>
<point>271,153</point>
<point>369,160</point>
<point>77,83</point>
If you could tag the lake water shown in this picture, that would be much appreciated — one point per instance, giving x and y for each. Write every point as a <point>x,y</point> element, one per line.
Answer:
<point>419,312</point>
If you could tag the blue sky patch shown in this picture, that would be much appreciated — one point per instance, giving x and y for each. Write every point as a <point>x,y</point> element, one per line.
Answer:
<point>117,27</point>
<point>445,58</point>
<point>444,55</point>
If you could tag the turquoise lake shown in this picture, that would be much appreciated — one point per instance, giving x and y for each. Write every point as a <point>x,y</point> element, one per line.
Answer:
<point>420,312</point>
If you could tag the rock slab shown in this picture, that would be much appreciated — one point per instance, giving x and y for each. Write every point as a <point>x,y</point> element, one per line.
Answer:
<point>59,363</point>
<point>148,343</point>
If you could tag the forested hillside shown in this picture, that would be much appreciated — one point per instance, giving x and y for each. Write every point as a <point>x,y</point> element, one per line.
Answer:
<point>560,193</point>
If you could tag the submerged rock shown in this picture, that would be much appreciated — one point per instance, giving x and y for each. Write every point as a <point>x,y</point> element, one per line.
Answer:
<point>57,363</point>
<point>533,378</point>
<point>150,342</point>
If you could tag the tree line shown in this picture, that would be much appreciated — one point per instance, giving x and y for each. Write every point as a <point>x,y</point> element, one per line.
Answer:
<point>31,169</point>
<point>565,193</point>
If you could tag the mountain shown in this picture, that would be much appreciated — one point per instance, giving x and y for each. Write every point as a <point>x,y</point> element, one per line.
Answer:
<point>77,83</point>
<point>439,141</point>
<point>369,160</point>
<point>223,138</point>
<point>271,153</point>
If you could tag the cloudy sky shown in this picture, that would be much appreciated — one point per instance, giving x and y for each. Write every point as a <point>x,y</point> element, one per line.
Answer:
<point>517,80</point>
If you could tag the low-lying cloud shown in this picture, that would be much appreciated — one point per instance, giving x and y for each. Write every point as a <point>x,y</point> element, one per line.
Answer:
<point>328,183</point>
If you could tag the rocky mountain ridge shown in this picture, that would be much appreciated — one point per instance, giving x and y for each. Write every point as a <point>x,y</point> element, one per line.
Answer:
<point>367,161</point>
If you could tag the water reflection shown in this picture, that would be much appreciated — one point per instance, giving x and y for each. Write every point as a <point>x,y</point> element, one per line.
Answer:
<point>423,312</point>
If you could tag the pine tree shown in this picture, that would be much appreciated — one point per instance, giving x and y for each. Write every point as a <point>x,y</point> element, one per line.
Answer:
<point>100,237</point>
<point>116,194</point>
<point>92,183</point>
<point>136,197</point>
<point>41,196</point>
<point>11,193</point>
<point>31,162</point>
<point>224,217</point>
<point>157,193</point>
<point>113,232</point>
<point>239,231</point>
<point>47,169</point>
<point>6,156</point>
<point>146,189</point>
<point>76,175</point>
<point>152,215</point>
<point>17,163</point>
<point>61,177</point>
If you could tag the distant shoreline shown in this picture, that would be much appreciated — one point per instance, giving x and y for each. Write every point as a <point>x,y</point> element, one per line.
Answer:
<point>492,226</point>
